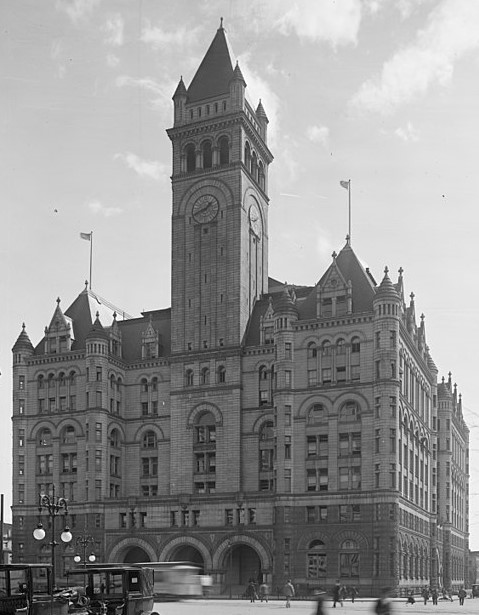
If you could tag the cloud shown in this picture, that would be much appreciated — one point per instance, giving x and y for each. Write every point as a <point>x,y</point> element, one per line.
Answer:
<point>144,168</point>
<point>99,209</point>
<point>162,93</point>
<point>258,88</point>
<point>409,133</point>
<point>112,60</point>
<point>114,29</point>
<point>334,22</point>
<point>451,33</point>
<point>76,10</point>
<point>158,38</point>
<point>318,134</point>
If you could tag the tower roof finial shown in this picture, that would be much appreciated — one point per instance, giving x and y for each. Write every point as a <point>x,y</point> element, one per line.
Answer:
<point>221,23</point>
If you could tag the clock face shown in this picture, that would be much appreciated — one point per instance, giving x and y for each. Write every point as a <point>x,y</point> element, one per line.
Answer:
<point>205,208</point>
<point>255,220</point>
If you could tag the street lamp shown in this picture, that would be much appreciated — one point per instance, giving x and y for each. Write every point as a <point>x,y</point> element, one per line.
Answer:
<point>54,506</point>
<point>83,542</point>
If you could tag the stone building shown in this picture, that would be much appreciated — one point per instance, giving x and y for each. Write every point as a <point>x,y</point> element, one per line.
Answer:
<point>257,428</point>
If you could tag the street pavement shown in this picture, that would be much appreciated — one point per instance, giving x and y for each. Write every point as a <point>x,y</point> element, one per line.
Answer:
<point>305,607</point>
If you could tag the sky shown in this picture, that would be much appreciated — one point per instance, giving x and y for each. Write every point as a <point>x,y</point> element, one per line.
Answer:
<point>384,93</point>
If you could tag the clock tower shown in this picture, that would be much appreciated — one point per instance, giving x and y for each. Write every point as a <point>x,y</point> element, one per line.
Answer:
<point>220,205</point>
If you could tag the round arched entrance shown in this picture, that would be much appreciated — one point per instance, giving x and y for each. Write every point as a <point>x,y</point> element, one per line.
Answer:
<point>188,553</point>
<point>242,564</point>
<point>134,555</point>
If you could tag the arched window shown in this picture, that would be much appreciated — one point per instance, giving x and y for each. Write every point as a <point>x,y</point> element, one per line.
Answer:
<point>312,350</point>
<point>326,348</point>
<point>44,437</point>
<point>340,346</point>
<point>350,411</point>
<point>224,150</point>
<point>349,559</point>
<point>61,379</point>
<point>254,166</point>
<point>144,385</point>
<point>316,560</point>
<point>266,432</point>
<point>190,158</point>
<point>264,386</point>
<point>261,176</point>
<point>355,345</point>
<point>68,435</point>
<point>189,378</point>
<point>205,429</point>
<point>266,456</point>
<point>115,438</point>
<point>317,414</point>
<point>72,377</point>
<point>207,155</point>
<point>149,440</point>
<point>112,381</point>
<point>247,157</point>
<point>154,384</point>
<point>205,376</point>
<point>51,381</point>
<point>41,381</point>
<point>221,374</point>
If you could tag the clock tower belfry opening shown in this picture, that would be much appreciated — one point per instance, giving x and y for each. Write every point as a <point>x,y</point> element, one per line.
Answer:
<point>220,205</point>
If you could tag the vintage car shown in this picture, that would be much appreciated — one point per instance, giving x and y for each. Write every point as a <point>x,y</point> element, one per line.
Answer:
<point>111,589</point>
<point>26,589</point>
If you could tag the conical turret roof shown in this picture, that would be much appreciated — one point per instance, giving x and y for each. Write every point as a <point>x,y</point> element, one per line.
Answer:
<point>387,289</point>
<point>23,342</point>
<point>215,72</point>
<point>97,330</point>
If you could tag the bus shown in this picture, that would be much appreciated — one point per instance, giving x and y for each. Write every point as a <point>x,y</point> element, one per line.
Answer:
<point>175,580</point>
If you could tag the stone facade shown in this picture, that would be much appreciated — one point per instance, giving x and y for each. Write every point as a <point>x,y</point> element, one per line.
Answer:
<point>256,428</point>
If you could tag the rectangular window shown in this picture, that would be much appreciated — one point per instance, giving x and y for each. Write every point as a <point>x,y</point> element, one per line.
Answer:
<point>21,383</point>
<point>98,374</point>
<point>323,479</point>
<point>312,377</point>
<point>252,516</point>
<point>323,513</point>
<point>173,518</point>
<point>326,375</point>
<point>144,408</point>
<point>311,480</point>
<point>310,514</point>
<point>287,378</point>
<point>288,350</point>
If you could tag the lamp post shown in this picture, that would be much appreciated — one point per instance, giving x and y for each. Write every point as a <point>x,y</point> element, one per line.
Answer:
<point>83,542</point>
<point>54,506</point>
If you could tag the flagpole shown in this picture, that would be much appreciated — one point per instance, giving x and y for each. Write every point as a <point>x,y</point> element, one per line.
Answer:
<point>91,253</point>
<point>349,198</point>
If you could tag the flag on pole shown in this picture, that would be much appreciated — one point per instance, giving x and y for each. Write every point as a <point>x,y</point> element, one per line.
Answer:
<point>86,236</point>
<point>345,184</point>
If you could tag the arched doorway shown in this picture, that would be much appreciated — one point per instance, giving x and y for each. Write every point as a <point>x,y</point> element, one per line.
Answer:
<point>242,564</point>
<point>188,553</point>
<point>135,555</point>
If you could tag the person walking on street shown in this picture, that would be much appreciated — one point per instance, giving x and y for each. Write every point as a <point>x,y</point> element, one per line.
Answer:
<point>288,591</point>
<point>434,595</point>
<point>462,594</point>
<point>353,592</point>
<point>263,592</point>
<point>425,594</point>
<point>251,591</point>
<point>337,594</point>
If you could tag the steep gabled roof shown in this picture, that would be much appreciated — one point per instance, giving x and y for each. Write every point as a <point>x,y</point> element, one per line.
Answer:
<point>215,72</point>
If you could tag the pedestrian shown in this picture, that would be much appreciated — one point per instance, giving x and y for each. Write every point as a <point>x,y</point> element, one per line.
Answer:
<point>434,595</point>
<point>264,592</point>
<point>319,597</point>
<point>425,594</point>
<point>462,594</point>
<point>251,591</point>
<point>410,598</point>
<point>383,603</point>
<point>288,591</point>
<point>353,592</point>
<point>336,594</point>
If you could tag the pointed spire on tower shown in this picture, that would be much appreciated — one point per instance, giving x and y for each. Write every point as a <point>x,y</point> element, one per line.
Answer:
<point>215,72</point>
